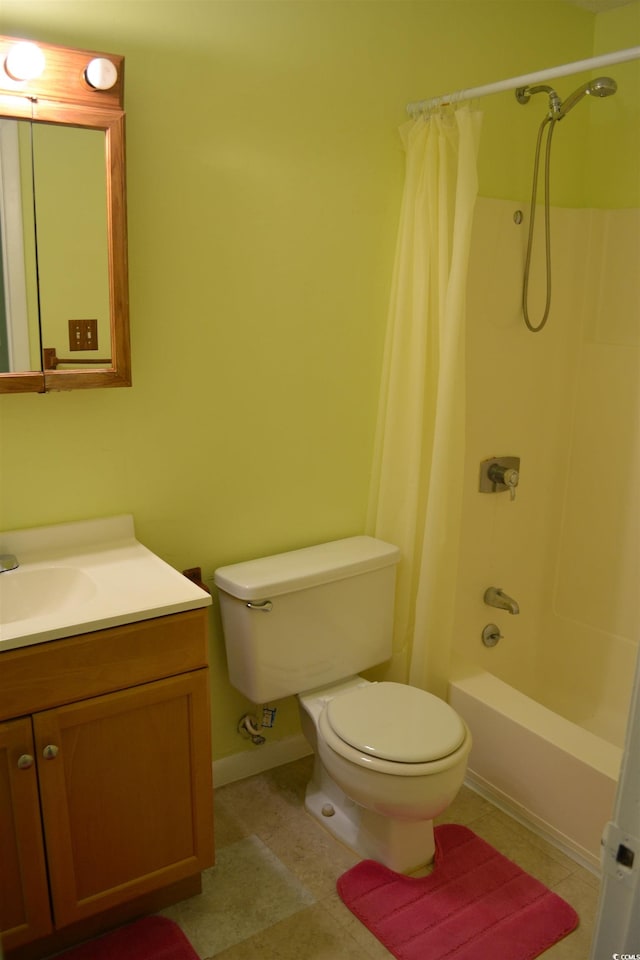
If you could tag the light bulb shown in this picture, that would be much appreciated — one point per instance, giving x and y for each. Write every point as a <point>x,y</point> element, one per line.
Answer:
<point>101,74</point>
<point>25,61</point>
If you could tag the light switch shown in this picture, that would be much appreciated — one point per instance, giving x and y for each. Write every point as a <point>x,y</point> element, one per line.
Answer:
<point>83,334</point>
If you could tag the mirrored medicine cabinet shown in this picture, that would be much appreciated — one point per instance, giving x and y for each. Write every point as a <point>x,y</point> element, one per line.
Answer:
<point>64,305</point>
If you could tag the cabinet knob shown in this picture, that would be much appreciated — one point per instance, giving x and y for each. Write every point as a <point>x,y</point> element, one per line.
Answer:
<point>50,751</point>
<point>25,761</point>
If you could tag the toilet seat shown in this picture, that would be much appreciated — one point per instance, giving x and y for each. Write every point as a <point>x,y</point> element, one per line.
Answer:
<point>381,724</point>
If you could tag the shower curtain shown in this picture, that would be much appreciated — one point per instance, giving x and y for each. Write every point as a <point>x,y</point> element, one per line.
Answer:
<point>416,491</point>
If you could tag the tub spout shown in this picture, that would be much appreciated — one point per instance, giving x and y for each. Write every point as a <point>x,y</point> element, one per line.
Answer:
<point>496,598</point>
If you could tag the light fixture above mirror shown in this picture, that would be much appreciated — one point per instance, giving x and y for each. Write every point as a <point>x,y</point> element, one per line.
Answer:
<point>43,71</point>
<point>43,88</point>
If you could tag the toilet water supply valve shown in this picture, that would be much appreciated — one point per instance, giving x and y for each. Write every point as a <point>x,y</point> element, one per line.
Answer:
<point>249,727</point>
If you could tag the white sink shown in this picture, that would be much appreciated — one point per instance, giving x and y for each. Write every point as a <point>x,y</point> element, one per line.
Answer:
<point>26,593</point>
<point>74,578</point>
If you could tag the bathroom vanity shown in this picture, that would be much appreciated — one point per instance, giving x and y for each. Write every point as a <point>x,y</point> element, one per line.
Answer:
<point>105,755</point>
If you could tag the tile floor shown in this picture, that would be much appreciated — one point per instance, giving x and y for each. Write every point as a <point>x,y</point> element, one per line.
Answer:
<point>272,896</point>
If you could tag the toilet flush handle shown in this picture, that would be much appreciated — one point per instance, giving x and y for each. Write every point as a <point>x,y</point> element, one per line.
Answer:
<point>264,606</point>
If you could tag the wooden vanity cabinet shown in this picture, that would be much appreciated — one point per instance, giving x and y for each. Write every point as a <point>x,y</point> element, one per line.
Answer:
<point>24,890</point>
<point>105,794</point>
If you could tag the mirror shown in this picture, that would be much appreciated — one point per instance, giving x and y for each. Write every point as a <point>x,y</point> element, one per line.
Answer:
<point>63,270</point>
<point>58,172</point>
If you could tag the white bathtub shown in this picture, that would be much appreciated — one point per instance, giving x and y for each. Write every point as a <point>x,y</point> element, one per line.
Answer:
<point>546,771</point>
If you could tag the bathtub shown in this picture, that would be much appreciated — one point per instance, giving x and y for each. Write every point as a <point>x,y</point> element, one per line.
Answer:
<point>546,771</point>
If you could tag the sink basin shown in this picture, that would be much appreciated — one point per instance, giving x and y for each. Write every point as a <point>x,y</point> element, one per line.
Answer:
<point>85,576</point>
<point>35,592</point>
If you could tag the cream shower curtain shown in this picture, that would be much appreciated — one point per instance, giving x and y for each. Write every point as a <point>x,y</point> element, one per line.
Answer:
<point>417,479</point>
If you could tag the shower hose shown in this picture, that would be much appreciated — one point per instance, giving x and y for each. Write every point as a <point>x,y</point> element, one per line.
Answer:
<point>551,122</point>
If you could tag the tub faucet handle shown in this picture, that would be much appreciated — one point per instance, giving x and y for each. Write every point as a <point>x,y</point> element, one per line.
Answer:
<point>508,476</point>
<point>491,635</point>
<point>511,479</point>
<point>498,474</point>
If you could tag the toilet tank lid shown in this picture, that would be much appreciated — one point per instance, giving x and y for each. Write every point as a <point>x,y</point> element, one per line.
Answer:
<point>299,569</point>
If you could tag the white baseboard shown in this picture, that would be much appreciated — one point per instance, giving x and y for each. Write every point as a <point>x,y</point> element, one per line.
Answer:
<point>258,759</point>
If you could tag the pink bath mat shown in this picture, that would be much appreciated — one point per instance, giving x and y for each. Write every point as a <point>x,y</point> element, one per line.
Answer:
<point>475,905</point>
<point>152,938</point>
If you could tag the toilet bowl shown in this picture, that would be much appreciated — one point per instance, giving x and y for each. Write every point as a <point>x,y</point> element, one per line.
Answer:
<point>388,759</point>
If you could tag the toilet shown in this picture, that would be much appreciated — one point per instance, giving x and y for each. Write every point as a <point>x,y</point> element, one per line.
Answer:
<point>388,757</point>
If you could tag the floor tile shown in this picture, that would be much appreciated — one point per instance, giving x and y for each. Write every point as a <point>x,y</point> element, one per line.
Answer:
<point>370,945</point>
<point>247,891</point>
<point>311,934</point>
<point>466,807</point>
<point>516,843</point>
<point>583,897</point>
<point>315,857</point>
<point>261,804</point>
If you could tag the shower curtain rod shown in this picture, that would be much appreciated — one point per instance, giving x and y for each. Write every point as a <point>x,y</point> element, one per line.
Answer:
<point>563,70</point>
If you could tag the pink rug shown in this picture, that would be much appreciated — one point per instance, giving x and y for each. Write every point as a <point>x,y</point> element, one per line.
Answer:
<point>475,905</point>
<point>152,938</point>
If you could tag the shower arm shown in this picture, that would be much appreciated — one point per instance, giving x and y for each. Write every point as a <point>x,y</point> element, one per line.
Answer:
<point>524,94</point>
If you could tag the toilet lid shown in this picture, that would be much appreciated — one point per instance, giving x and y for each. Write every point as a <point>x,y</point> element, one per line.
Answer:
<point>393,721</point>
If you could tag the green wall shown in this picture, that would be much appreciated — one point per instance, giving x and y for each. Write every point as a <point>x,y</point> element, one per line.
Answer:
<point>264,183</point>
<point>613,165</point>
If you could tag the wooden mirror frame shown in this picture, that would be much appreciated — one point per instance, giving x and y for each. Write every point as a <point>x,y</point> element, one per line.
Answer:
<point>62,95</point>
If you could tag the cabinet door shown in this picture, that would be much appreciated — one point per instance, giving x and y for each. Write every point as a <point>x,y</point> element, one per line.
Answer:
<point>125,782</point>
<point>24,896</point>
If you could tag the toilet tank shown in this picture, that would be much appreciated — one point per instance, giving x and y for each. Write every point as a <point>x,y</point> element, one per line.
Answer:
<point>303,619</point>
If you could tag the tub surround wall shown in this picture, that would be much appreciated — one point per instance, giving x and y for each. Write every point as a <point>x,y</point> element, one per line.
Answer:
<point>595,602</point>
<point>566,401</point>
<point>603,477</point>
<point>517,390</point>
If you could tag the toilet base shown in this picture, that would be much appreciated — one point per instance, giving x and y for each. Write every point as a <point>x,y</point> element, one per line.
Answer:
<point>403,846</point>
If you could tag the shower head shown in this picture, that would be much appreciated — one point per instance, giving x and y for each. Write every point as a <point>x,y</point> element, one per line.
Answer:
<point>600,87</point>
